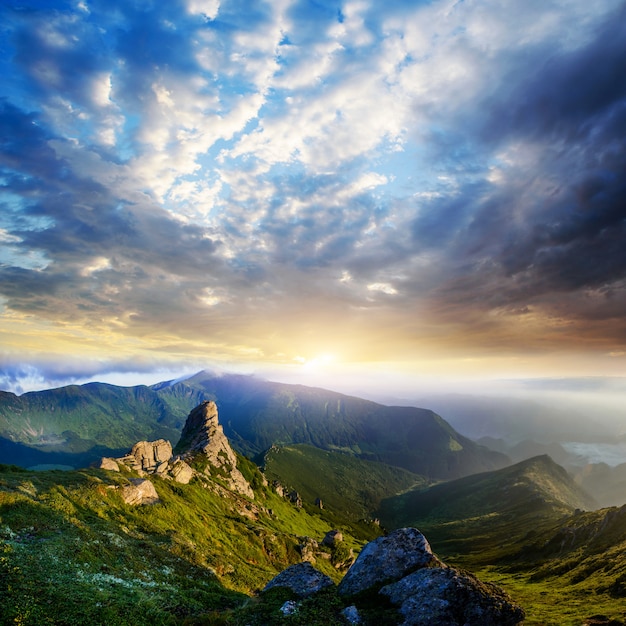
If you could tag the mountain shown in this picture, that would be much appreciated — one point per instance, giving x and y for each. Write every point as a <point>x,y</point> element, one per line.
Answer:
<point>586,546</point>
<point>76,424</point>
<point>490,508</point>
<point>525,528</point>
<point>261,414</point>
<point>82,546</point>
<point>142,543</point>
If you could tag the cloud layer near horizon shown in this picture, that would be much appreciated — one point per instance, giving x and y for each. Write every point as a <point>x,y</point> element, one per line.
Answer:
<point>199,180</point>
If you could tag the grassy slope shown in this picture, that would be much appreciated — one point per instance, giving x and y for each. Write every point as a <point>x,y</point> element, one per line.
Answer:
<point>350,489</point>
<point>72,552</point>
<point>574,569</point>
<point>518,527</point>
<point>491,508</point>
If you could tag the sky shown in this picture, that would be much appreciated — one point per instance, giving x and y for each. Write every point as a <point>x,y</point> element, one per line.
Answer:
<point>315,191</point>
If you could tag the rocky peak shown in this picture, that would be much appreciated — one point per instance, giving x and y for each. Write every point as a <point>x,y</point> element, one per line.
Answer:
<point>203,434</point>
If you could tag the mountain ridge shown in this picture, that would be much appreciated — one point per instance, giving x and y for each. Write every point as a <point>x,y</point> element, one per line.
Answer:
<point>497,507</point>
<point>77,419</point>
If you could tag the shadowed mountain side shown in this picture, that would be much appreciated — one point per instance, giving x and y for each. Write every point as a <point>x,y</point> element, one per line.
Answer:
<point>489,511</point>
<point>76,425</point>
<point>261,414</point>
<point>15,453</point>
<point>349,488</point>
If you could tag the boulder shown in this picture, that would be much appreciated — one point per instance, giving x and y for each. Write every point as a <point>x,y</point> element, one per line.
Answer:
<point>303,579</point>
<point>308,548</point>
<point>449,597</point>
<point>181,472</point>
<point>289,608</point>
<point>139,491</point>
<point>332,538</point>
<point>295,498</point>
<point>108,463</point>
<point>388,559</point>
<point>351,615</point>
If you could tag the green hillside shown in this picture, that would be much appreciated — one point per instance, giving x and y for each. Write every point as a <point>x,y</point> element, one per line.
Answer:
<point>489,509</point>
<point>72,552</point>
<point>349,488</point>
<point>573,568</point>
<point>76,425</point>
<point>525,528</point>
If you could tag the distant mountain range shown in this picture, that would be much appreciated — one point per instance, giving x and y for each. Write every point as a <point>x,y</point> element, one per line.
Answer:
<point>75,425</point>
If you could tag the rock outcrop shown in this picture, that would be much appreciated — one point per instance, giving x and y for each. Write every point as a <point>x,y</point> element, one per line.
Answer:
<point>202,444</point>
<point>180,471</point>
<point>139,491</point>
<point>403,568</point>
<point>388,559</point>
<point>303,579</point>
<point>332,538</point>
<point>150,456</point>
<point>445,595</point>
<point>203,434</point>
<point>107,463</point>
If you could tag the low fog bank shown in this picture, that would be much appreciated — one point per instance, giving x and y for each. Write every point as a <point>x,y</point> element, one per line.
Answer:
<point>546,416</point>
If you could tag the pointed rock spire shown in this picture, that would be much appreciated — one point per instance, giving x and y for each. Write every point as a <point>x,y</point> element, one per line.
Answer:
<point>203,434</point>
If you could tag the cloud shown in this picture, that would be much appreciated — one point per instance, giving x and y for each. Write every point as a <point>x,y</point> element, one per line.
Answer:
<point>214,169</point>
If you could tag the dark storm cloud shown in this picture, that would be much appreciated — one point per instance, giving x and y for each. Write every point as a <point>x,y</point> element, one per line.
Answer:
<point>555,223</point>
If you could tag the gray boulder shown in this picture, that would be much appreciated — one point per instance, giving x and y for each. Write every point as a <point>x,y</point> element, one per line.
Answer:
<point>351,615</point>
<point>449,597</point>
<point>303,579</point>
<point>332,538</point>
<point>388,559</point>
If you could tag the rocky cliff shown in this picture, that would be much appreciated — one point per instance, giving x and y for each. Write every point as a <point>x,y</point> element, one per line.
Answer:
<point>203,436</point>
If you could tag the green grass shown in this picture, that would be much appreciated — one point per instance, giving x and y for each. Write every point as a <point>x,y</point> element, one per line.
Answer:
<point>72,552</point>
